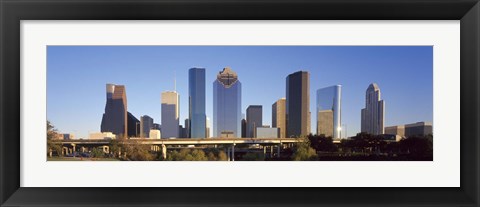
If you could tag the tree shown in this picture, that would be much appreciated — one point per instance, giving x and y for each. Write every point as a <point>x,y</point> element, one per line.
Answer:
<point>253,156</point>
<point>51,144</point>
<point>97,153</point>
<point>187,155</point>
<point>322,143</point>
<point>303,151</point>
<point>136,151</point>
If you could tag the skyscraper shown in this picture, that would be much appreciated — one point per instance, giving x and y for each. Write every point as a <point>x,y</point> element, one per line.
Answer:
<point>254,119</point>
<point>374,112</point>
<point>278,116</point>
<point>329,111</point>
<point>196,103</point>
<point>187,129</point>
<point>208,128</point>
<point>227,103</point>
<point>170,113</point>
<point>133,125</point>
<point>298,104</point>
<point>146,123</point>
<point>115,117</point>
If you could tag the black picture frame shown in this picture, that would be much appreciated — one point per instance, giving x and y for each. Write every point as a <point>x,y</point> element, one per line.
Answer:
<point>13,11</point>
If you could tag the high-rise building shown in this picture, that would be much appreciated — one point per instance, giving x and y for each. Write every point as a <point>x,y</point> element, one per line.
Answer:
<point>133,125</point>
<point>207,130</point>
<point>298,104</point>
<point>374,112</point>
<point>146,123</point>
<point>278,116</point>
<point>115,117</point>
<point>329,110</point>
<point>244,128</point>
<point>196,103</point>
<point>227,103</point>
<point>187,129</point>
<point>170,114</point>
<point>254,119</point>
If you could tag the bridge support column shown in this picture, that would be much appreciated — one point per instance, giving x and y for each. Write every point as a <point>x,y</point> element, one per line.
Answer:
<point>264,151</point>
<point>233,152</point>
<point>271,151</point>
<point>228,153</point>
<point>164,151</point>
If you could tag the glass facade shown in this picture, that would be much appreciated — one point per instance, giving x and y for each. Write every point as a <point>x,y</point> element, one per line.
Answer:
<point>115,117</point>
<point>298,104</point>
<point>329,111</point>
<point>196,101</point>
<point>254,119</point>
<point>227,103</point>
<point>146,123</point>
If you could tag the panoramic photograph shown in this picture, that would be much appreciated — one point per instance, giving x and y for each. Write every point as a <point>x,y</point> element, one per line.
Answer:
<point>239,103</point>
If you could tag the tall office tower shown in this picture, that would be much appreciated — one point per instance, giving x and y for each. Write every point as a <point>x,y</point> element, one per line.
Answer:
<point>133,125</point>
<point>115,117</point>
<point>374,112</point>
<point>244,128</point>
<point>170,113</point>
<point>227,103</point>
<point>254,119</point>
<point>146,123</point>
<point>329,109</point>
<point>278,116</point>
<point>196,103</point>
<point>187,128</point>
<point>207,129</point>
<point>298,104</point>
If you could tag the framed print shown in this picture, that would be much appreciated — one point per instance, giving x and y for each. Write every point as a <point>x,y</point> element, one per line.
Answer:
<point>239,103</point>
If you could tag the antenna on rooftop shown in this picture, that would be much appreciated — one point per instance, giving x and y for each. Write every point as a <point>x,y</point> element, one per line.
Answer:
<point>175,80</point>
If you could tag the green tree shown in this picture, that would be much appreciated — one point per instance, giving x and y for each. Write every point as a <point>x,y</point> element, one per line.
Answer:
<point>303,151</point>
<point>97,153</point>
<point>253,156</point>
<point>51,143</point>
<point>322,143</point>
<point>136,151</point>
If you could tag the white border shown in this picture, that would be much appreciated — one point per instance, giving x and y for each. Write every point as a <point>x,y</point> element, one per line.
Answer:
<point>444,171</point>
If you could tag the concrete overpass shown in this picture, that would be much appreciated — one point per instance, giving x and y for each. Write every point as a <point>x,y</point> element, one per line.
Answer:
<point>161,144</point>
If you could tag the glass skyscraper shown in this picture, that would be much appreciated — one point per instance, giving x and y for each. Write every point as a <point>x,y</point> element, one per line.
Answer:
<point>115,117</point>
<point>329,111</point>
<point>196,103</point>
<point>254,119</point>
<point>298,104</point>
<point>146,123</point>
<point>227,103</point>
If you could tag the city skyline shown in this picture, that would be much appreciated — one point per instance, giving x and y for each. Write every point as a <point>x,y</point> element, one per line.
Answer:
<point>250,97</point>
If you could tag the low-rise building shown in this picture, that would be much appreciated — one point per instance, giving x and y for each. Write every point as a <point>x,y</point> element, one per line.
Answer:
<point>418,129</point>
<point>155,134</point>
<point>267,132</point>
<point>396,130</point>
<point>102,135</point>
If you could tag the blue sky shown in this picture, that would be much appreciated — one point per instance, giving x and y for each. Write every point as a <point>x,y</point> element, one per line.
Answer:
<point>76,78</point>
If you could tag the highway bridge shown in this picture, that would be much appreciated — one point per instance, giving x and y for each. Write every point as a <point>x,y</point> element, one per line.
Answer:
<point>82,145</point>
